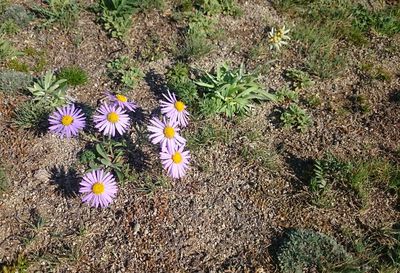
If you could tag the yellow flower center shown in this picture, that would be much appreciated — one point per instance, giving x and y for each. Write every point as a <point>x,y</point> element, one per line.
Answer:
<point>177,158</point>
<point>180,106</point>
<point>169,132</point>
<point>113,117</point>
<point>98,188</point>
<point>67,120</point>
<point>121,98</point>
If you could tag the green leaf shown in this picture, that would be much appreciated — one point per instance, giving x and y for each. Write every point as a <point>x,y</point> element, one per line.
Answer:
<point>101,152</point>
<point>105,162</point>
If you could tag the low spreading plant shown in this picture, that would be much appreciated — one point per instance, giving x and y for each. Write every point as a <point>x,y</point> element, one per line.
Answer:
<point>11,81</point>
<point>63,12</point>
<point>230,92</point>
<point>307,249</point>
<point>31,115</point>
<point>16,14</point>
<point>296,117</point>
<point>124,71</point>
<point>300,79</point>
<point>49,90</point>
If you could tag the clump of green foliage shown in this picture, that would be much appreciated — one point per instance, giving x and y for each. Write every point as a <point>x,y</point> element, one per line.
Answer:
<point>307,249</point>
<point>73,75</point>
<point>284,95</point>
<point>62,12</point>
<point>111,155</point>
<point>11,81</point>
<point>200,32</point>
<point>300,79</point>
<point>296,117</point>
<point>49,90</point>
<point>116,15</point>
<point>125,71</point>
<point>7,51</point>
<point>31,115</point>
<point>178,80</point>
<point>13,19</point>
<point>230,92</point>
<point>327,171</point>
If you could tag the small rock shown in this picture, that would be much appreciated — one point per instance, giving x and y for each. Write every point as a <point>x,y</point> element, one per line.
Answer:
<point>41,175</point>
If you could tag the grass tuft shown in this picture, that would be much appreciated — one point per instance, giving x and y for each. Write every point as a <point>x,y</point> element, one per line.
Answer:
<point>74,75</point>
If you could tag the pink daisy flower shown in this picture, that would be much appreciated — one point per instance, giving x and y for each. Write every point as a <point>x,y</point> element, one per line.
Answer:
<point>165,133</point>
<point>67,121</point>
<point>175,161</point>
<point>99,188</point>
<point>174,109</point>
<point>121,101</point>
<point>110,118</point>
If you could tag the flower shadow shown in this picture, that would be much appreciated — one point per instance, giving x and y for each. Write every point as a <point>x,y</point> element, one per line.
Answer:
<point>66,179</point>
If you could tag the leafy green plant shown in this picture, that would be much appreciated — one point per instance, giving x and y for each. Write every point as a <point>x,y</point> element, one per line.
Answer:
<point>116,14</point>
<point>63,12</point>
<point>230,92</point>
<point>111,155</point>
<point>286,95</point>
<point>178,80</point>
<point>124,71</point>
<point>31,115</point>
<point>300,79</point>
<point>73,75</point>
<point>11,81</point>
<point>306,249</point>
<point>7,51</point>
<point>49,90</point>
<point>296,117</point>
